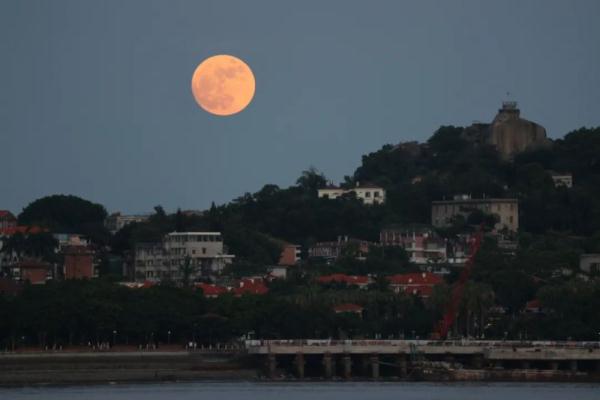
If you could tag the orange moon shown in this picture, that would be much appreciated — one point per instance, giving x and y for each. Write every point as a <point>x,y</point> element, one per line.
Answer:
<point>223,85</point>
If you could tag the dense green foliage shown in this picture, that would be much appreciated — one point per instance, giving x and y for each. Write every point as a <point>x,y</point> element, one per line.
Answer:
<point>67,214</point>
<point>557,224</point>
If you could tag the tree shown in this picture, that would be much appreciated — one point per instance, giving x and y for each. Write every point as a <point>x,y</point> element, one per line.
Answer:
<point>67,214</point>
<point>311,180</point>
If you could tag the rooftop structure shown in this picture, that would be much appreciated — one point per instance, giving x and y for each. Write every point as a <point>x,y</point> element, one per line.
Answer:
<point>508,132</point>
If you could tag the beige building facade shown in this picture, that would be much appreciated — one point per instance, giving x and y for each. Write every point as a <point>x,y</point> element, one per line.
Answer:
<point>368,194</point>
<point>507,211</point>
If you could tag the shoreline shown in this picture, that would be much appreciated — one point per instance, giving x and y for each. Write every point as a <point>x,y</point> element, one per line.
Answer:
<point>116,368</point>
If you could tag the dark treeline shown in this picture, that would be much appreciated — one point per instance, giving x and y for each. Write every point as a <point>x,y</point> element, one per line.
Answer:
<point>557,224</point>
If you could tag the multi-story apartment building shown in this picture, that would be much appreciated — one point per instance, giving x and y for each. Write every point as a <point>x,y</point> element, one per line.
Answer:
<point>330,251</point>
<point>419,241</point>
<point>203,252</point>
<point>368,194</point>
<point>507,210</point>
<point>290,254</point>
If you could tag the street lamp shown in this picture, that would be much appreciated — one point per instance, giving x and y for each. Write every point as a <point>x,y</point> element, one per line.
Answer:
<point>114,337</point>
<point>168,337</point>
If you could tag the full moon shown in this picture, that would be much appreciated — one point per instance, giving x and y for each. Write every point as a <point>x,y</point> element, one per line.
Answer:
<point>223,85</point>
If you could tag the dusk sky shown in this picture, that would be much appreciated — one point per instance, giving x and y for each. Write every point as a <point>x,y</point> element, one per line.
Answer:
<point>95,96</point>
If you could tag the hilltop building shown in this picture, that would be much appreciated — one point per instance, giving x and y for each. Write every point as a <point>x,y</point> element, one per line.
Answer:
<point>508,132</point>
<point>367,193</point>
<point>204,251</point>
<point>506,209</point>
<point>116,221</point>
<point>564,179</point>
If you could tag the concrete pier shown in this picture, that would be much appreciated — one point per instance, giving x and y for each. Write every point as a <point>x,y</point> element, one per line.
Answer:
<point>299,361</point>
<point>402,366</point>
<point>374,366</point>
<point>328,365</point>
<point>573,365</point>
<point>272,365</point>
<point>582,358</point>
<point>347,363</point>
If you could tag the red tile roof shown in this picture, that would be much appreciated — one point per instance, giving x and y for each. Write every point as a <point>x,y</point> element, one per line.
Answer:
<point>533,304</point>
<point>343,278</point>
<point>8,286</point>
<point>423,278</point>
<point>251,286</point>
<point>22,229</point>
<point>211,290</point>
<point>420,290</point>
<point>7,214</point>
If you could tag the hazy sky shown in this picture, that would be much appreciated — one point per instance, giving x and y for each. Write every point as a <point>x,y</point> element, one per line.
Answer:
<point>95,95</point>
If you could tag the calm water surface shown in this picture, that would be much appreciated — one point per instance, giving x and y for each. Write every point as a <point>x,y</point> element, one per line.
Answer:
<point>311,391</point>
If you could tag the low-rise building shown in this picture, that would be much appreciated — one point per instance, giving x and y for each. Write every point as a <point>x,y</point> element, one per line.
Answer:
<point>344,245</point>
<point>254,286</point>
<point>367,193</point>
<point>507,211</point>
<point>418,284</point>
<point>348,308</point>
<point>79,262</point>
<point>590,263</point>
<point>210,290</point>
<point>33,271</point>
<point>290,254</point>
<point>564,179</point>
<point>360,281</point>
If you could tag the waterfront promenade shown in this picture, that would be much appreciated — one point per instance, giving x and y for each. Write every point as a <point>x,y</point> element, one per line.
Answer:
<point>310,359</point>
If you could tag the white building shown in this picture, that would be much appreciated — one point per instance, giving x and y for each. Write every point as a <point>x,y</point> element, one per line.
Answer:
<point>369,194</point>
<point>562,179</point>
<point>204,250</point>
<point>116,221</point>
<point>590,263</point>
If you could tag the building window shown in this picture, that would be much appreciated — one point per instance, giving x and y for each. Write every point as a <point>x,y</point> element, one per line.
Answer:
<point>367,194</point>
<point>375,194</point>
<point>204,250</point>
<point>510,219</point>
